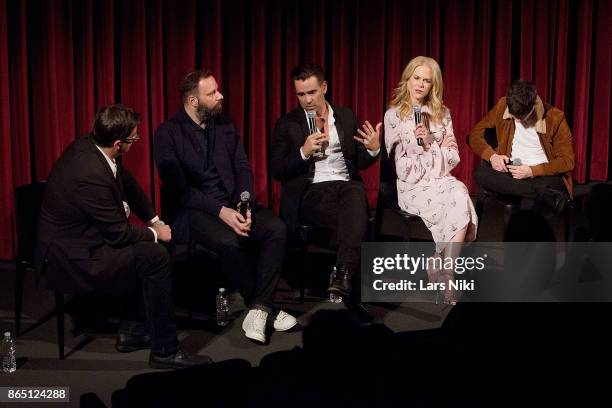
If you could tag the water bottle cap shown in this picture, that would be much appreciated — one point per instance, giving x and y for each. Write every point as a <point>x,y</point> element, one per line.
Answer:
<point>221,290</point>
<point>7,334</point>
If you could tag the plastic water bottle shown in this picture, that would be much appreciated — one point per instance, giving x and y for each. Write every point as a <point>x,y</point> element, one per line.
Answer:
<point>333,298</point>
<point>9,361</point>
<point>222,308</point>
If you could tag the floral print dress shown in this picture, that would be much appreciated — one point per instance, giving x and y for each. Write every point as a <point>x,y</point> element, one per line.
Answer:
<point>425,186</point>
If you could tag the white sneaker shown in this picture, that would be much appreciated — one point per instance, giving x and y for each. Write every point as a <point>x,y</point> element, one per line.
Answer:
<point>284,321</point>
<point>254,325</point>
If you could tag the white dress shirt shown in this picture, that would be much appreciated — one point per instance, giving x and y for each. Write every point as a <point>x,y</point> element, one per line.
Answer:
<point>332,166</point>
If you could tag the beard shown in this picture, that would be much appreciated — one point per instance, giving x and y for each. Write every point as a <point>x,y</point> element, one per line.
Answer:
<point>205,114</point>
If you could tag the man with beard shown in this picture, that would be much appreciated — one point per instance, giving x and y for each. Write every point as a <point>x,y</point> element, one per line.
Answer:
<point>204,172</point>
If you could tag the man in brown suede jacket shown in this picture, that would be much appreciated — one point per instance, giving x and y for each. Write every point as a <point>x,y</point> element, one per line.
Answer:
<point>534,156</point>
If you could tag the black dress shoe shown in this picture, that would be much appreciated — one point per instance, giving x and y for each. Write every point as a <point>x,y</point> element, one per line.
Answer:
<point>554,200</point>
<point>127,343</point>
<point>340,282</point>
<point>178,360</point>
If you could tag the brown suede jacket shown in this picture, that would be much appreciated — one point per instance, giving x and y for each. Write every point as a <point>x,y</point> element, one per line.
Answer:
<point>552,128</point>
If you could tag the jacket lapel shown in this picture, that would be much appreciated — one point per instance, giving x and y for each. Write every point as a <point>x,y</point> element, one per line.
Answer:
<point>300,117</point>
<point>340,131</point>
<point>119,179</point>
<point>103,164</point>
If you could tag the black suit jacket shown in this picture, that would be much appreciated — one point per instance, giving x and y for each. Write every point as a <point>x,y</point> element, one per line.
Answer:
<point>180,163</point>
<point>83,227</point>
<point>293,172</point>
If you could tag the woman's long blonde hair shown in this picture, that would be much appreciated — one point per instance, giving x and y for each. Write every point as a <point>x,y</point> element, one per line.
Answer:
<point>401,96</point>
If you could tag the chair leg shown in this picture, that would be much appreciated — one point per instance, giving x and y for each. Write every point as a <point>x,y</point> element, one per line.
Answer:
<point>302,272</point>
<point>508,211</point>
<point>407,230</point>
<point>567,214</point>
<point>302,292</point>
<point>299,260</point>
<point>59,311</point>
<point>480,203</point>
<point>19,286</point>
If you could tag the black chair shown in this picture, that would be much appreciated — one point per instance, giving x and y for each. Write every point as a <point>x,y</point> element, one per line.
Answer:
<point>188,261</point>
<point>307,240</point>
<point>28,199</point>
<point>390,220</point>
<point>510,204</point>
<point>51,268</point>
<point>187,258</point>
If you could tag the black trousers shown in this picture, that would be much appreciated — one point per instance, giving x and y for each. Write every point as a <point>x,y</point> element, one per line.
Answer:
<point>118,271</point>
<point>343,207</point>
<point>526,189</point>
<point>256,279</point>
<point>151,264</point>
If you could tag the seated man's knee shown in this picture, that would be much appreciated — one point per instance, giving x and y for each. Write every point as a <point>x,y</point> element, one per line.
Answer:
<point>355,193</point>
<point>480,174</point>
<point>154,251</point>
<point>228,244</point>
<point>153,255</point>
<point>278,229</point>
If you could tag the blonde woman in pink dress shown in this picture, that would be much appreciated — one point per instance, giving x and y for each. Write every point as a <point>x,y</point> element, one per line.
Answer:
<point>425,186</point>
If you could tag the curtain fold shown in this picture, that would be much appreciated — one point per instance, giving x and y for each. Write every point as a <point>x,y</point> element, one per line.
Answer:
<point>157,96</point>
<point>62,60</point>
<point>134,91</point>
<point>599,135</point>
<point>6,175</point>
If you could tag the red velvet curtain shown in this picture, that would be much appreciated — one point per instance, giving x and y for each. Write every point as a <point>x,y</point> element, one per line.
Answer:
<point>61,60</point>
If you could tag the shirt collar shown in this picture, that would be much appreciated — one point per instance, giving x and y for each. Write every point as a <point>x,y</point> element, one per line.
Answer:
<point>330,113</point>
<point>540,125</point>
<point>111,162</point>
<point>183,117</point>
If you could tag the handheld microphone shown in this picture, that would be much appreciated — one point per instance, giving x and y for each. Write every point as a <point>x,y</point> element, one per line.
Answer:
<point>244,204</point>
<point>417,120</point>
<point>312,121</point>
<point>312,127</point>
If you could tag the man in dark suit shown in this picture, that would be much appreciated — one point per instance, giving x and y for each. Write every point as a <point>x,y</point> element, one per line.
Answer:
<point>316,153</point>
<point>86,242</point>
<point>204,172</point>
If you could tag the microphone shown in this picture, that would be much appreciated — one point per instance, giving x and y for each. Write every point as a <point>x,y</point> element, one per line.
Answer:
<point>244,204</point>
<point>312,121</point>
<point>312,127</point>
<point>417,120</point>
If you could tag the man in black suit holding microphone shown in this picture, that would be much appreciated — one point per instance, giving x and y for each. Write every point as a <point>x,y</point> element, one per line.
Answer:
<point>317,151</point>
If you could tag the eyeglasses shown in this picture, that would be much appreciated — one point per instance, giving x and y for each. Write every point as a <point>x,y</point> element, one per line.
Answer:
<point>132,139</point>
